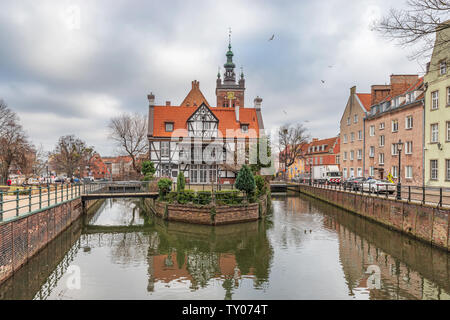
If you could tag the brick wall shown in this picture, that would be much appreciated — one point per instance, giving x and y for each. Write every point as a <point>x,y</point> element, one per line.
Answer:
<point>22,238</point>
<point>422,222</point>
<point>202,215</point>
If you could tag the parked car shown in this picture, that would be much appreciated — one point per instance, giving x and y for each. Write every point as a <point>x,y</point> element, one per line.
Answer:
<point>59,180</point>
<point>379,186</point>
<point>354,184</point>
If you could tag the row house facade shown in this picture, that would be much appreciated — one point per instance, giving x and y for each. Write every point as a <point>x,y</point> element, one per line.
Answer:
<point>208,144</point>
<point>352,128</point>
<point>396,117</point>
<point>437,113</point>
<point>316,153</point>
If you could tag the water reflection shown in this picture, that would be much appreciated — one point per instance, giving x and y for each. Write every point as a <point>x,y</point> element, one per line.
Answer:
<point>306,250</point>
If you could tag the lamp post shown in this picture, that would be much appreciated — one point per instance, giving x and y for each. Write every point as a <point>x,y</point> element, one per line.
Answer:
<point>310,171</point>
<point>399,185</point>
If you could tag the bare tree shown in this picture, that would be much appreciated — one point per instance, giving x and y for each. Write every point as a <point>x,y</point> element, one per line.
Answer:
<point>129,131</point>
<point>71,155</point>
<point>291,142</point>
<point>418,25</point>
<point>14,146</point>
<point>6,116</point>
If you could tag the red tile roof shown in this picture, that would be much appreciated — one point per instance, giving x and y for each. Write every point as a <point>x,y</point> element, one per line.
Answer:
<point>179,116</point>
<point>366,100</point>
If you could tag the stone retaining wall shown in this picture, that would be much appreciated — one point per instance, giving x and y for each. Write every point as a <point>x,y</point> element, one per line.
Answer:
<point>423,222</point>
<point>202,214</point>
<point>24,236</point>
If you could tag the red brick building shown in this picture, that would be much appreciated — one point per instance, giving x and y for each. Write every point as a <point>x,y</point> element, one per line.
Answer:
<point>397,116</point>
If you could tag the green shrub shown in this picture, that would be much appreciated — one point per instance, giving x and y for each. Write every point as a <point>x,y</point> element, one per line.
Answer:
<point>164,187</point>
<point>228,197</point>
<point>181,181</point>
<point>245,181</point>
<point>172,197</point>
<point>186,196</point>
<point>148,169</point>
<point>147,177</point>
<point>203,197</point>
<point>260,185</point>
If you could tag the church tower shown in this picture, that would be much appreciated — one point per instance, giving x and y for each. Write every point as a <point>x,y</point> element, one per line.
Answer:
<point>229,93</point>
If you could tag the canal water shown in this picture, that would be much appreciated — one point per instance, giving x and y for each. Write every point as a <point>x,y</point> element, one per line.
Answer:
<point>305,249</point>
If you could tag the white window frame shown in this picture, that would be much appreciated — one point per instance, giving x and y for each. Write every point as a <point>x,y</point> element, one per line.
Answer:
<point>394,149</point>
<point>359,154</point>
<point>382,125</point>
<point>359,172</point>
<point>355,118</point>
<point>435,100</point>
<point>408,147</point>
<point>447,169</point>
<point>448,131</point>
<point>345,156</point>
<point>371,151</point>
<point>372,131</point>
<point>381,141</point>
<point>165,148</point>
<point>409,122</point>
<point>345,138</point>
<point>408,172</point>
<point>360,136</point>
<point>434,171</point>
<point>352,155</point>
<point>434,132</point>
<point>442,68</point>
<point>394,125</point>
<point>381,158</point>
<point>352,137</point>
<point>371,171</point>
<point>394,171</point>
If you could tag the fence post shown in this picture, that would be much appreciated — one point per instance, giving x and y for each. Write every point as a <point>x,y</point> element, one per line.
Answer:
<point>67,192</point>
<point>40,197</point>
<point>409,193</point>
<point>423,195</point>
<point>48,195</point>
<point>29,199</point>
<point>440,197</point>
<point>1,205</point>
<point>56,193</point>
<point>17,203</point>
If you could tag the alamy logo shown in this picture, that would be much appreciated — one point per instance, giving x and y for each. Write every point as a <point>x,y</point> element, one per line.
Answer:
<point>374,280</point>
<point>74,280</point>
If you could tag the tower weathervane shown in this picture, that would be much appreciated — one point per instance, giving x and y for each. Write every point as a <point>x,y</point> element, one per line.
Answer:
<point>229,36</point>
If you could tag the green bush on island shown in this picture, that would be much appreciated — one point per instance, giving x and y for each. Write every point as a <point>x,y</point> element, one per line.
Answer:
<point>186,196</point>
<point>228,197</point>
<point>203,197</point>
<point>246,182</point>
<point>181,182</point>
<point>164,187</point>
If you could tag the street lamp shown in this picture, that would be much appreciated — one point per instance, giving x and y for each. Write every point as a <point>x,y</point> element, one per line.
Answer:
<point>310,171</point>
<point>399,185</point>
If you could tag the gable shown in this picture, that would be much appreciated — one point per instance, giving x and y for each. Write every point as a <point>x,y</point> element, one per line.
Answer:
<point>203,113</point>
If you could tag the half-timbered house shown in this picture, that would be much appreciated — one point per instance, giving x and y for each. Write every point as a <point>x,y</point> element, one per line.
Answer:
<point>208,144</point>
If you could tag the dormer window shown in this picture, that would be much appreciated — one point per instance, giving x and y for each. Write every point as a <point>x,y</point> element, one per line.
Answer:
<point>244,128</point>
<point>169,126</point>
<point>397,102</point>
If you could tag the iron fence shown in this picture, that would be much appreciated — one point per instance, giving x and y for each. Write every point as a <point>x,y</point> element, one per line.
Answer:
<point>434,196</point>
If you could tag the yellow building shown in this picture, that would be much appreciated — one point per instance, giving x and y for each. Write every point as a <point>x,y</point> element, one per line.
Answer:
<point>297,168</point>
<point>437,113</point>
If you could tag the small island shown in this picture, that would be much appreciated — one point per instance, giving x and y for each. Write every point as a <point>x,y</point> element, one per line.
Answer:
<point>249,200</point>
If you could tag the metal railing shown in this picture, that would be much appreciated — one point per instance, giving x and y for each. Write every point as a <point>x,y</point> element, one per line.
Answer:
<point>26,200</point>
<point>434,196</point>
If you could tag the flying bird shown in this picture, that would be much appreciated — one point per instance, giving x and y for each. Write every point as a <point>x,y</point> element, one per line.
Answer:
<point>271,38</point>
<point>330,66</point>
<point>284,111</point>
<point>323,81</point>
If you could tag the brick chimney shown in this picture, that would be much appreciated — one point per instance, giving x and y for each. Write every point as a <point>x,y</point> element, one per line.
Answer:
<point>401,83</point>
<point>151,99</point>
<point>353,90</point>
<point>258,102</point>
<point>379,92</point>
<point>195,84</point>
<point>167,103</point>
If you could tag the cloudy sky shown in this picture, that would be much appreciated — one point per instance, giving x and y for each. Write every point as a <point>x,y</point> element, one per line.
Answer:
<point>67,66</point>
